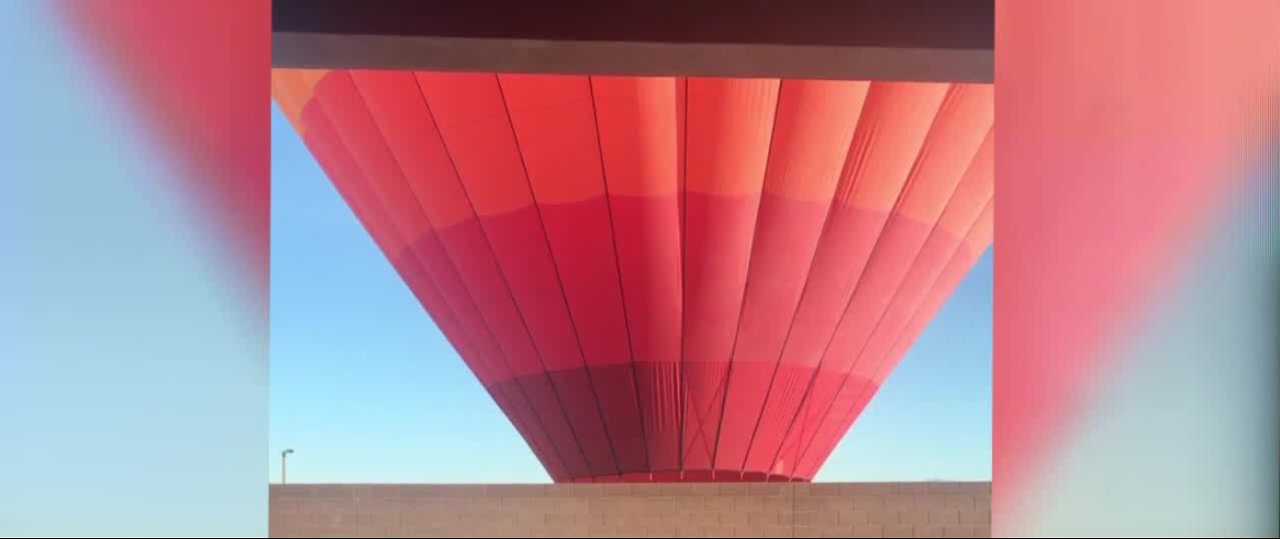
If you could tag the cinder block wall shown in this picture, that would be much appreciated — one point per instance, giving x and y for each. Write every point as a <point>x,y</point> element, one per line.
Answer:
<point>622,510</point>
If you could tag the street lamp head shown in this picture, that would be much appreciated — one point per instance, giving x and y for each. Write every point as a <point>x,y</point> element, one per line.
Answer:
<point>284,457</point>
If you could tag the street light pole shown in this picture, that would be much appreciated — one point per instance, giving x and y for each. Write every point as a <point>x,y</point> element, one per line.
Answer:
<point>284,460</point>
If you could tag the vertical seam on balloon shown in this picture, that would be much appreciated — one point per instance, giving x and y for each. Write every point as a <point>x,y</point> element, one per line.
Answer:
<point>919,305</point>
<point>411,248</point>
<point>905,331</point>
<point>837,199</point>
<point>859,162</point>
<point>684,257</point>
<point>419,265</point>
<point>715,395</point>
<point>617,260</point>
<point>954,252</point>
<point>356,88</point>
<point>894,217</point>
<point>461,340</point>
<point>533,343</point>
<point>484,323</point>
<point>746,283</point>
<point>852,295</point>
<point>516,421</point>
<point>413,259</point>
<point>804,288</point>
<point>699,436</point>
<point>826,351</point>
<point>427,218</point>
<point>559,280</point>
<point>908,184</point>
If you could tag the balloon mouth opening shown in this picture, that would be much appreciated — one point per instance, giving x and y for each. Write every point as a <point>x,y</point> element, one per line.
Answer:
<point>689,476</point>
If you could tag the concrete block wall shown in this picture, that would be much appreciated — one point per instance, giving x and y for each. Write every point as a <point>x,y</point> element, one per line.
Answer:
<point>634,510</point>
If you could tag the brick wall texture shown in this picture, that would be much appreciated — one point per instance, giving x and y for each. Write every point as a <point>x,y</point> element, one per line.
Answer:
<point>634,510</point>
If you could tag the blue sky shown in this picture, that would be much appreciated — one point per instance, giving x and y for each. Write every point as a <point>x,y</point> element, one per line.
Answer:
<point>366,389</point>
<point>133,388</point>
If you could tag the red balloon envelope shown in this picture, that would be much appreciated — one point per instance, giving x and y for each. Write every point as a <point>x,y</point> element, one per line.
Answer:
<point>664,278</point>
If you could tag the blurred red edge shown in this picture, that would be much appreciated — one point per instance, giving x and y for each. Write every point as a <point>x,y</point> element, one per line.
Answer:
<point>1122,129</point>
<point>196,75</point>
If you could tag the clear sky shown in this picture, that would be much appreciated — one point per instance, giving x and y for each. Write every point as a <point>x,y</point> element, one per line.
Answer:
<point>365,388</point>
<point>133,386</point>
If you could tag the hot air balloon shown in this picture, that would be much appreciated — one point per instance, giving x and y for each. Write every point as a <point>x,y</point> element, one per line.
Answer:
<point>664,278</point>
